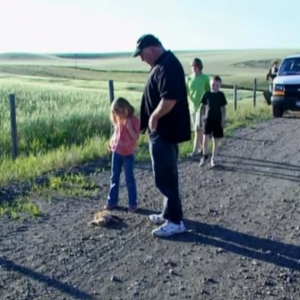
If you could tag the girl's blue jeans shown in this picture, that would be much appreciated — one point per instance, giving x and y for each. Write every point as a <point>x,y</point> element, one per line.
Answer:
<point>119,161</point>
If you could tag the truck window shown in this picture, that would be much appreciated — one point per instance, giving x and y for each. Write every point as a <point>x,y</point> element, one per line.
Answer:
<point>290,66</point>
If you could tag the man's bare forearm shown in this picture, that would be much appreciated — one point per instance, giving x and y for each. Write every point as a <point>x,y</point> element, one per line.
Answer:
<point>163,108</point>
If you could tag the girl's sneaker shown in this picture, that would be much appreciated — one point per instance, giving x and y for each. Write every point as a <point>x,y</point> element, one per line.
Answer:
<point>108,206</point>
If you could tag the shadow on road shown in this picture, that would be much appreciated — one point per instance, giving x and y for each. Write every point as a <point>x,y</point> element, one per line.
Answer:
<point>256,167</point>
<point>256,248</point>
<point>265,163</point>
<point>63,287</point>
<point>270,174</point>
<point>270,142</point>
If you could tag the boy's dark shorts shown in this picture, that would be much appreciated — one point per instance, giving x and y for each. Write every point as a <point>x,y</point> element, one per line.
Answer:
<point>213,128</point>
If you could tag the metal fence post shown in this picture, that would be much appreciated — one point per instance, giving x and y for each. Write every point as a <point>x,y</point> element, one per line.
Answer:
<point>254,91</point>
<point>235,96</point>
<point>111,96</point>
<point>13,122</point>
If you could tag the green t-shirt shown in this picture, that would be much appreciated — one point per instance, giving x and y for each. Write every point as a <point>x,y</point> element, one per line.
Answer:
<point>196,85</point>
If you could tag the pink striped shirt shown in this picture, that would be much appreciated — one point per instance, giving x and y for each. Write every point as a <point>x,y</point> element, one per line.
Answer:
<point>121,141</point>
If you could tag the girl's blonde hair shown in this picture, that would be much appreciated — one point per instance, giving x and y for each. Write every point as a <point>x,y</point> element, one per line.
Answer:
<point>120,104</point>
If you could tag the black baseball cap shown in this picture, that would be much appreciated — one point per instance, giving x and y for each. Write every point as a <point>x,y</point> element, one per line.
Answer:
<point>146,40</point>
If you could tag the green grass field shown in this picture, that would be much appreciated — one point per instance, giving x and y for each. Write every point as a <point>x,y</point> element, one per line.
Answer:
<point>63,103</point>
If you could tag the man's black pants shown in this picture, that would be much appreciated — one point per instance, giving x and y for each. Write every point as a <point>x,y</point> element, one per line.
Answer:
<point>164,156</point>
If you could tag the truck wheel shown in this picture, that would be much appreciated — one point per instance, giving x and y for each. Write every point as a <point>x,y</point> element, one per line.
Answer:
<point>277,111</point>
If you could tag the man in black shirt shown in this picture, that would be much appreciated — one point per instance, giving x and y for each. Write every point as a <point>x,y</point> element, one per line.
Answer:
<point>165,116</point>
<point>213,108</point>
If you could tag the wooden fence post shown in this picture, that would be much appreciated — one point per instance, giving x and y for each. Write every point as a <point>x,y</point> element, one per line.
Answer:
<point>13,124</point>
<point>235,96</point>
<point>111,90</point>
<point>254,91</point>
<point>111,96</point>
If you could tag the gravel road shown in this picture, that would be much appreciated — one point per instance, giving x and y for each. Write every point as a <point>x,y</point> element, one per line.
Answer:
<point>243,222</point>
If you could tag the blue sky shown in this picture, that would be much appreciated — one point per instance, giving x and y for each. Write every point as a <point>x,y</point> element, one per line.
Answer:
<point>114,25</point>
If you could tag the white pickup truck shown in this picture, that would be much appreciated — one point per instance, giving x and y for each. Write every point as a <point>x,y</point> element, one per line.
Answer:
<point>286,87</point>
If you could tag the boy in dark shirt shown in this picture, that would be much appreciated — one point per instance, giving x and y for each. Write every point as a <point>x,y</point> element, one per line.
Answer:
<point>213,113</point>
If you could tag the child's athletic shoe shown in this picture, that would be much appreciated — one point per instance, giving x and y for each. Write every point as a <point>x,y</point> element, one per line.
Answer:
<point>195,153</point>
<point>108,206</point>
<point>213,162</point>
<point>203,160</point>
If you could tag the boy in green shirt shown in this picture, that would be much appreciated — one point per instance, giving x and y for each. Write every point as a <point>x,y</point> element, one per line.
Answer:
<point>197,84</point>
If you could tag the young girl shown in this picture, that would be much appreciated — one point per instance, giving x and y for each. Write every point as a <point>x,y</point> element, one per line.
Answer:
<point>122,145</point>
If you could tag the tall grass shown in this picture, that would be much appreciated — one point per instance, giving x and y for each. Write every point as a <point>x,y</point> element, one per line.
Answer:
<point>50,116</point>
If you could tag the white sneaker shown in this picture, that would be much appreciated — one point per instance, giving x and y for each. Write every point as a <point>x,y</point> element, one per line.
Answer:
<point>213,162</point>
<point>203,161</point>
<point>195,153</point>
<point>169,229</point>
<point>157,219</point>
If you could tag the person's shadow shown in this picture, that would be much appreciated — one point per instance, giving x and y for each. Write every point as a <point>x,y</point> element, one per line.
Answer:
<point>64,288</point>
<point>256,248</point>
